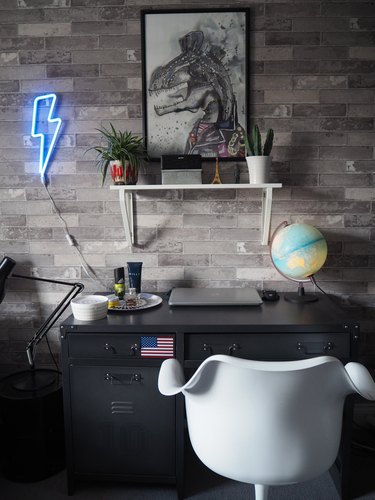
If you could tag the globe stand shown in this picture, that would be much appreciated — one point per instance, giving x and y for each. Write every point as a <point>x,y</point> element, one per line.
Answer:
<point>300,297</point>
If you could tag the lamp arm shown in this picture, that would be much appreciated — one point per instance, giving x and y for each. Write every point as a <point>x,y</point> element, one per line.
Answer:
<point>53,317</point>
<point>46,280</point>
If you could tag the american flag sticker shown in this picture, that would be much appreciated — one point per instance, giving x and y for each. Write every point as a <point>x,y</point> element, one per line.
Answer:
<point>157,347</point>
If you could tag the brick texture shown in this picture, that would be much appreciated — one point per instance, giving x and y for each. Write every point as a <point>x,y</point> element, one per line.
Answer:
<point>311,78</point>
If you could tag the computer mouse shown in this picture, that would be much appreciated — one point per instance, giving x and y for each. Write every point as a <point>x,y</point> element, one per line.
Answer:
<point>270,295</point>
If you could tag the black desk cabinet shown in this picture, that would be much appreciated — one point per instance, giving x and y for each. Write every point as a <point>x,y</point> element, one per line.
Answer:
<point>119,427</point>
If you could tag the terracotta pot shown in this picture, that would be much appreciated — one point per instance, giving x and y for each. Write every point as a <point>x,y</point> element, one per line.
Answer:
<point>259,169</point>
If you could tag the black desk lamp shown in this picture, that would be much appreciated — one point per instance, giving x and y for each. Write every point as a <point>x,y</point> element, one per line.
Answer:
<point>31,406</point>
<point>32,379</point>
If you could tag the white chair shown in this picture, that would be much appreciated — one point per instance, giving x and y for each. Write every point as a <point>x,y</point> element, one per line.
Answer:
<point>266,423</point>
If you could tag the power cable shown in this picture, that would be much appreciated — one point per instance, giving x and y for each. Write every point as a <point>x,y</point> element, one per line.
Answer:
<point>73,243</point>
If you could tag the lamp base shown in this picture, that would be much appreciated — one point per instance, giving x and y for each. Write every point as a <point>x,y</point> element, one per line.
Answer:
<point>301,297</point>
<point>296,298</point>
<point>34,380</point>
<point>31,411</point>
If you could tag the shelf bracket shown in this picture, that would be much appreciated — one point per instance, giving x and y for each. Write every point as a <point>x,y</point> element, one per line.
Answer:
<point>126,205</point>
<point>266,214</point>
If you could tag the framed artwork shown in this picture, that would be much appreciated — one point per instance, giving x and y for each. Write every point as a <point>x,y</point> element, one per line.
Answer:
<point>195,82</point>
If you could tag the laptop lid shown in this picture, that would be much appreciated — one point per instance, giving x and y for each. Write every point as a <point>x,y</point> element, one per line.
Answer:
<point>214,297</point>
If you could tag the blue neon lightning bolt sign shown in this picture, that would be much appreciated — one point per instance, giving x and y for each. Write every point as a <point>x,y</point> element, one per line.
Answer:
<point>46,149</point>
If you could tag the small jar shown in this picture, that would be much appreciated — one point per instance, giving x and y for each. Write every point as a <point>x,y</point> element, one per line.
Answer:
<point>131,298</point>
<point>113,301</point>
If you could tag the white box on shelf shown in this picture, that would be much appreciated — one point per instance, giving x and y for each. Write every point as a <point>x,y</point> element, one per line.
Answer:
<point>181,169</point>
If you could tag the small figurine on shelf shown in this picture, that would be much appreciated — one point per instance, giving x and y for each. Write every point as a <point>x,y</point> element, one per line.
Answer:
<point>216,179</point>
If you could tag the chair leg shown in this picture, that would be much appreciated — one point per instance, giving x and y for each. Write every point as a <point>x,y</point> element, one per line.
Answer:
<point>261,491</point>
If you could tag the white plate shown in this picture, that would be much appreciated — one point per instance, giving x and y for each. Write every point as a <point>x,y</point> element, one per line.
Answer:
<point>147,300</point>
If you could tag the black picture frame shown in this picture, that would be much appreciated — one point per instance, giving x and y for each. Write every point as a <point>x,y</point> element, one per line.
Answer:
<point>195,80</point>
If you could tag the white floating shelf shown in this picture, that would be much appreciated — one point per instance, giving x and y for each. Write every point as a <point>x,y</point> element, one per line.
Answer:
<point>126,201</point>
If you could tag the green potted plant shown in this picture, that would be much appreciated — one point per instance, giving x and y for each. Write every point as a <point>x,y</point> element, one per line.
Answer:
<point>258,159</point>
<point>123,152</point>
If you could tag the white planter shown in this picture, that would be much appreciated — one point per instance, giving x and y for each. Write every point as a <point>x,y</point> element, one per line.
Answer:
<point>259,169</point>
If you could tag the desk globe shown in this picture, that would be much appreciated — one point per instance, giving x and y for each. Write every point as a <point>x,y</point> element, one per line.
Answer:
<point>298,251</point>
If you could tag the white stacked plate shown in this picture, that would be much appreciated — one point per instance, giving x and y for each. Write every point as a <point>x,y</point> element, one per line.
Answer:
<point>89,307</point>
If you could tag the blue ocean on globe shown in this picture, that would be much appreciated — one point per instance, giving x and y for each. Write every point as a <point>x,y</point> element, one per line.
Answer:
<point>298,250</point>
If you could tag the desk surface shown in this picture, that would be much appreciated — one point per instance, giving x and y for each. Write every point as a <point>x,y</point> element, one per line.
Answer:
<point>280,316</point>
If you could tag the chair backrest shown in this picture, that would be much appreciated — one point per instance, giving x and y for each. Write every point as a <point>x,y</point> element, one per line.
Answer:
<point>267,422</point>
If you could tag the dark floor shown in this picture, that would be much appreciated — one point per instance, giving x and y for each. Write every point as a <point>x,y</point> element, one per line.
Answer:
<point>200,484</point>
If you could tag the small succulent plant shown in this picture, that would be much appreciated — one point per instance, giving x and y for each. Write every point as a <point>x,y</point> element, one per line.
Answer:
<point>253,142</point>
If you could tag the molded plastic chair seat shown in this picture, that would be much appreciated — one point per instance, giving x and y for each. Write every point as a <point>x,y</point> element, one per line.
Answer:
<point>266,423</point>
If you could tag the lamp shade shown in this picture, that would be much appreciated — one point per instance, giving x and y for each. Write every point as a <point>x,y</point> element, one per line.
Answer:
<point>6,267</point>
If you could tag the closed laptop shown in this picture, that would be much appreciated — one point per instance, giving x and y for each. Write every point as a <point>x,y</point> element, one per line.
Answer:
<point>214,297</point>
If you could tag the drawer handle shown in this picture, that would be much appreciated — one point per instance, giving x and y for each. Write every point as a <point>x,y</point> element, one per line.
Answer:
<point>133,349</point>
<point>123,378</point>
<point>207,348</point>
<point>109,347</point>
<point>329,346</point>
<point>232,349</point>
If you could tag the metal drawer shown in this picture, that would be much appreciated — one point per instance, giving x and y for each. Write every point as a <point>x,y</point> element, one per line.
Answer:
<point>120,422</point>
<point>105,346</point>
<point>267,346</point>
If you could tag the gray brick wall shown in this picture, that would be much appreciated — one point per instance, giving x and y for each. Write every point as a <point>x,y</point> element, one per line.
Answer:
<point>312,79</point>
